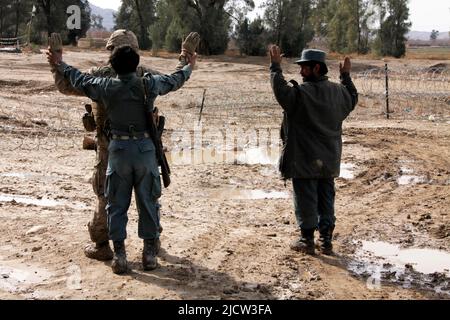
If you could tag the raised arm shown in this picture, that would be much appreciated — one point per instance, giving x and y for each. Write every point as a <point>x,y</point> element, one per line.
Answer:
<point>347,82</point>
<point>284,93</point>
<point>55,47</point>
<point>92,87</point>
<point>162,84</point>
<point>63,85</point>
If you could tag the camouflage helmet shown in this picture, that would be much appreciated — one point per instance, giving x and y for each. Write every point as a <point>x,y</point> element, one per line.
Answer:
<point>122,37</point>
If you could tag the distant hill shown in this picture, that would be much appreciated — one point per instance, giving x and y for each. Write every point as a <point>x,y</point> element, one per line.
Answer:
<point>107,14</point>
<point>425,35</point>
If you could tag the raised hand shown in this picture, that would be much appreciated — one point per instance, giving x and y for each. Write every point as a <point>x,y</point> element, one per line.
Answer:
<point>191,59</point>
<point>346,67</point>
<point>275,54</point>
<point>54,58</point>
<point>55,49</point>
<point>191,43</point>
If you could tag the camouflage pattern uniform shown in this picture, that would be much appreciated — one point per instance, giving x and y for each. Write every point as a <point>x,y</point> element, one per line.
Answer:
<point>98,228</point>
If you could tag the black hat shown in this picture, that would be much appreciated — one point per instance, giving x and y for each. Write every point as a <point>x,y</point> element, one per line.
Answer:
<point>313,55</point>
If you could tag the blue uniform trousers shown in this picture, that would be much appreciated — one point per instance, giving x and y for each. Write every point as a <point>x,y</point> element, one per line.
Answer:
<point>132,164</point>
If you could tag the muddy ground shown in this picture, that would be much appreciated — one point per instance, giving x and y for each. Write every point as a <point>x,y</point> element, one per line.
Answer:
<point>228,218</point>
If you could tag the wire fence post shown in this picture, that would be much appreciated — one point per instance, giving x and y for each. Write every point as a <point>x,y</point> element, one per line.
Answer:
<point>386,70</point>
<point>201,107</point>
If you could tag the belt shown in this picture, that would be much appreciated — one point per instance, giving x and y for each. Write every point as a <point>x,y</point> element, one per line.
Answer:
<point>134,137</point>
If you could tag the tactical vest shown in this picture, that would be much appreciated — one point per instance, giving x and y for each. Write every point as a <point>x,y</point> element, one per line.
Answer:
<point>130,116</point>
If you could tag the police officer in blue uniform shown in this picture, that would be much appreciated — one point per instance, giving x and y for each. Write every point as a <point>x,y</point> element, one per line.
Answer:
<point>132,160</point>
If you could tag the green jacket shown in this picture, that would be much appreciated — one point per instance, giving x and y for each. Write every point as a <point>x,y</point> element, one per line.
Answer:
<point>312,124</point>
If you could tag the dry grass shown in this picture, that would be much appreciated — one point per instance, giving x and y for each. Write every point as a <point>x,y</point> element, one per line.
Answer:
<point>429,53</point>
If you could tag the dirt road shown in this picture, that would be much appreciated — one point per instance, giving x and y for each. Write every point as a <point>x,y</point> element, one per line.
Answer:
<point>227,218</point>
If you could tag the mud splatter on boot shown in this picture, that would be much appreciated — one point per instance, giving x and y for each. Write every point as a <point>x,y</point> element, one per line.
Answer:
<point>326,237</point>
<point>151,249</point>
<point>305,243</point>
<point>119,264</point>
<point>99,251</point>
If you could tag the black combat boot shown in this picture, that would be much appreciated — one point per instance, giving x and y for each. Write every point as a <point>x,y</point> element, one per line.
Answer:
<point>151,249</point>
<point>99,251</point>
<point>305,243</point>
<point>326,237</point>
<point>119,264</point>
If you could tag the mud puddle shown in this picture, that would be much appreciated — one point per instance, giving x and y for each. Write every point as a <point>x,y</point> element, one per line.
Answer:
<point>15,279</point>
<point>42,202</point>
<point>251,156</point>
<point>379,262</point>
<point>28,176</point>
<point>347,171</point>
<point>407,180</point>
<point>243,194</point>
<point>407,176</point>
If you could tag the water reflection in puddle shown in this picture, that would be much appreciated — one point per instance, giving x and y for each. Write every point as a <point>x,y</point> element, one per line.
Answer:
<point>347,171</point>
<point>13,279</point>
<point>243,194</point>
<point>426,268</point>
<point>258,156</point>
<point>406,176</point>
<point>28,200</point>
<point>264,156</point>
<point>14,175</point>
<point>44,202</point>
<point>251,156</point>
<point>423,260</point>
<point>407,179</point>
<point>27,175</point>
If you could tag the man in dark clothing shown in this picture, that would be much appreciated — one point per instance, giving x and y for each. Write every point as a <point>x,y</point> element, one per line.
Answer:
<point>312,141</point>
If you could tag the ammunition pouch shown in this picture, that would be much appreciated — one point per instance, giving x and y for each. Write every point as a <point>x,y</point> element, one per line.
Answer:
<point>89,119</point>
<point>89,144</point>
<point>89,122</point>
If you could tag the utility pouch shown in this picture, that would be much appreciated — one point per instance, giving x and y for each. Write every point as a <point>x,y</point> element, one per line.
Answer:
<point>89,120</point>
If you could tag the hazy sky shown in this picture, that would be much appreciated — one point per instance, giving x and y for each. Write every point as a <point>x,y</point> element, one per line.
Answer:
<point>424,14</point>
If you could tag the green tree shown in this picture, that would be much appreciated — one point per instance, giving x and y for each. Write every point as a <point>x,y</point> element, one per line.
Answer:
<point>322,14</point>
<point>289,24</point>
<point>212,19</point>
<point>137,16</point>
<point>251,37</point>
<point>52,16</point>
<point>337,28</point>
<point>14,15</point>
<point>347,29</point>
<point>158,30</point>
<point>434,35</point>
<point>175,34</point>
<point>394,25</point>
<point>96,21</point>
<point>74,34</point>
